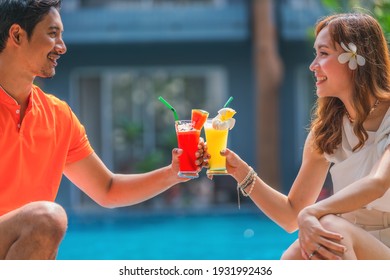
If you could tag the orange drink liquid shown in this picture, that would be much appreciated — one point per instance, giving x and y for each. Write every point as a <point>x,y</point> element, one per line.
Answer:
<point>216,142</point>
<point>188,140</point>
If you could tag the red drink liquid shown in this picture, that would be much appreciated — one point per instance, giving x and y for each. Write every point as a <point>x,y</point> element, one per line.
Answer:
<point>188,139</point>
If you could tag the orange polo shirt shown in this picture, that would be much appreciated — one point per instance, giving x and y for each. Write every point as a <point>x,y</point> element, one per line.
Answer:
<point>33,153</point>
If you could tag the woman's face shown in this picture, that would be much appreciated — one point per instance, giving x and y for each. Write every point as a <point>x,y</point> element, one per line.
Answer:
<point>333,79</point>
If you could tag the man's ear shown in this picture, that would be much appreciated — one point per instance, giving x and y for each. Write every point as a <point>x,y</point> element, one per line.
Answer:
<point>16,34</point>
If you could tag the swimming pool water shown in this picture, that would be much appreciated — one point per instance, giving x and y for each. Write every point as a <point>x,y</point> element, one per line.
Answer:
<point>176,237</point>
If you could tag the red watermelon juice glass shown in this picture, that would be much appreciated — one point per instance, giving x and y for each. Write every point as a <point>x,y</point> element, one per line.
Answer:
<point>188,140</point>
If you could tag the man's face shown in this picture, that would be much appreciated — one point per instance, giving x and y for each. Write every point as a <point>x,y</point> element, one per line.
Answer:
<point>45,45</point>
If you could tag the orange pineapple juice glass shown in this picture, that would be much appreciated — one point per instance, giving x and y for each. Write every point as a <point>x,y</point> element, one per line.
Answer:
<point>217,132</point>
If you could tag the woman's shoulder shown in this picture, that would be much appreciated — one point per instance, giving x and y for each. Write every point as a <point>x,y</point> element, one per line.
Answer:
<point>311,150</point>
<point>384,125</point>
<point>382,135</point>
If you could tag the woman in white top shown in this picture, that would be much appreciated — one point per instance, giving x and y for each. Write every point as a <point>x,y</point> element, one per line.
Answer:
<point>350,128</point>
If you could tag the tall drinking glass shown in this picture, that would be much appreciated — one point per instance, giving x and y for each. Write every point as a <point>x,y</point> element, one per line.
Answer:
<point>216,142</point>
<point>188,140</point>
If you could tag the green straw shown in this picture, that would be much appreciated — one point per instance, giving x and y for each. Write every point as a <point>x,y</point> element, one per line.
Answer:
<point>169,106</point>
<point>228,102</point>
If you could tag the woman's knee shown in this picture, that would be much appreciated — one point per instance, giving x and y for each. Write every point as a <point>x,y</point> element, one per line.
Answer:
<point>45,219</point>
<point>333,222</point>
<point>293,252</point>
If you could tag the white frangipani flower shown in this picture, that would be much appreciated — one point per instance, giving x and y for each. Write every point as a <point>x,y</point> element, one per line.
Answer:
<point>351,56</point>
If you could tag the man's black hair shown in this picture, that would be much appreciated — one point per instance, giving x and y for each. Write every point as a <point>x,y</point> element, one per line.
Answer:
<point>26,13</point>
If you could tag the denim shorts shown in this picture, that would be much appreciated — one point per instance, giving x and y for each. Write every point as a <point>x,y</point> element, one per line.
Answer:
<point>373,221</point>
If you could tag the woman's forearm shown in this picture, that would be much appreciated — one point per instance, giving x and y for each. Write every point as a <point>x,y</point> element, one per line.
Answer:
<point>353,197</point>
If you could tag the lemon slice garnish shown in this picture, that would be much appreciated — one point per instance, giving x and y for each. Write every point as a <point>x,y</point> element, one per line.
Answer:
<point>226,114</point>
<point>224,119</point>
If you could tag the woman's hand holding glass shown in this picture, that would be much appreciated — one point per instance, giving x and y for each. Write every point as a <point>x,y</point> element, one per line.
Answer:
<point>235,166</point>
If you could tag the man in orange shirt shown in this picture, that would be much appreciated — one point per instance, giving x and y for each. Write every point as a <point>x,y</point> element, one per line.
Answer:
<point>41,139</point>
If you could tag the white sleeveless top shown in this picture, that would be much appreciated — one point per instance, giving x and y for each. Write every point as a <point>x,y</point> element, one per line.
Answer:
<point>351,166</point>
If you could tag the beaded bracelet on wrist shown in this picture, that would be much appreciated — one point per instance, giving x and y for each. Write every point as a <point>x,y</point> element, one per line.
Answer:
<point>249,180</point>
<point>251,184</point>
<point>248,176</point>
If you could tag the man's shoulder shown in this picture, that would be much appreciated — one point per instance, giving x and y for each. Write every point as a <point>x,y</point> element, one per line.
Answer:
<point>49,99</point>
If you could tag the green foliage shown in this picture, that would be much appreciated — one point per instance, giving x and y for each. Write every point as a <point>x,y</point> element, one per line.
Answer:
<point>382,12</point>
<point>150,162</point>
<point>380,9</point>
<point>132,130</point>
<point>333,5</point>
